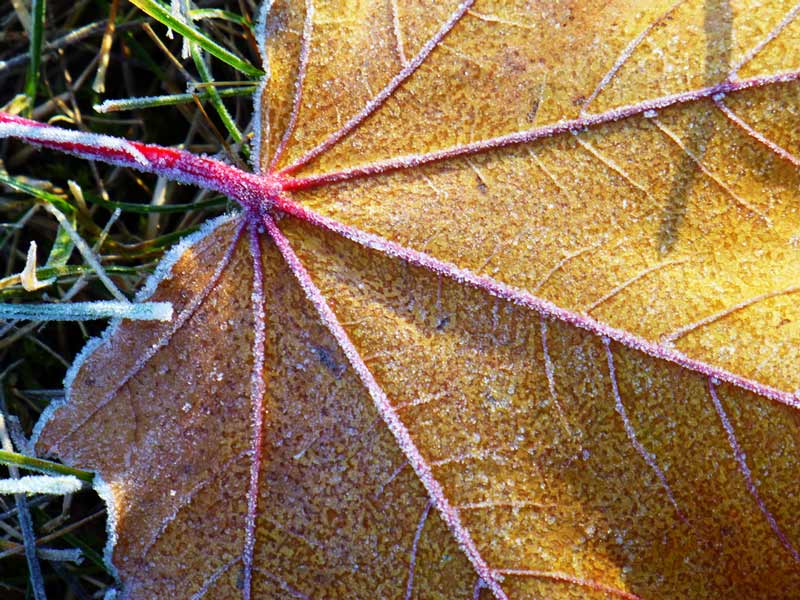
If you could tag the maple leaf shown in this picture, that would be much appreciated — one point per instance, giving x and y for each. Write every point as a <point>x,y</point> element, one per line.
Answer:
<point>507,311</point>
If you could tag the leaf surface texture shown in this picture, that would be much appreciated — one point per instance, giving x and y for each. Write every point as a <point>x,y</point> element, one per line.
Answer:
<point>522,323</point>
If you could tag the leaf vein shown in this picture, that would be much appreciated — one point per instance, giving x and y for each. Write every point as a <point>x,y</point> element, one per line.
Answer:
<point>396,426</point>
<point>741,461</point>
<point>179,322</point>
<point>384,94</point>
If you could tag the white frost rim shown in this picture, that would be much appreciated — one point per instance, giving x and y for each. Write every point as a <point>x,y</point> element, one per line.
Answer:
<point>261,39</point>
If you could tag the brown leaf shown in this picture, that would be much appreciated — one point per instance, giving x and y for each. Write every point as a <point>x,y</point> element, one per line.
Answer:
<point>386,407</point>
<point>337,511</point>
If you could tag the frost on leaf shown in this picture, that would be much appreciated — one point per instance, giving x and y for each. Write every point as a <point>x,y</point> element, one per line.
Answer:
<point>509,312</point>
<point>337,512</point>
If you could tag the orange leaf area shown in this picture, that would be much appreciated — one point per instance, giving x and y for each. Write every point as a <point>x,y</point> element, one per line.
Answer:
<point>520,320</point>
<point>649,219</point>
<point>569,480</point>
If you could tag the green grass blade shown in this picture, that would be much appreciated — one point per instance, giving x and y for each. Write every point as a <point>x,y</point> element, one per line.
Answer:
<point>62,248</point>
<point>47,197</point>
<point>42,466</point>
<point>88,551</point>
<point>87,253</point>
<point>169,238</point>
<point>150,208</point>
<point>213,94</point>
<point>10,286</point>
<point>218,13</point>
<point>37,36</point>
<point>162,14</point>
<point>169,99</point>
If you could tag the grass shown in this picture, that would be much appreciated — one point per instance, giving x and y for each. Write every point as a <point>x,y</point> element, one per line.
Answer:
<point>59,61</point>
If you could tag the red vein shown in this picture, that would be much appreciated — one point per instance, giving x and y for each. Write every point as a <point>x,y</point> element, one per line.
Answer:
<point>741,460</point>
<point>686,329</point>
<point>396,426</point>
<point>151,351</point>
<point>525,299</point>
<point>257,391</point>
<point>248,189</point>
<point>384,94</point>
<point>412,562</point>
<point>648,457</point>
<point>564,578</point>
<point>198,170</point>
<point>234,183</point>
<point>790,16</point>
<point>757,135</point>
<point>521,137</point>
<point>302,68</point>
<point>626,54</point>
